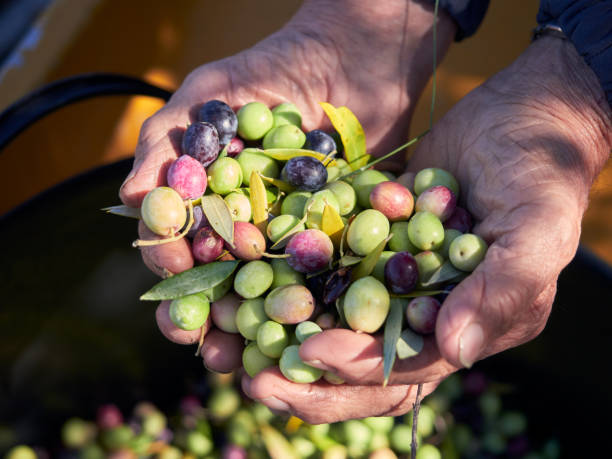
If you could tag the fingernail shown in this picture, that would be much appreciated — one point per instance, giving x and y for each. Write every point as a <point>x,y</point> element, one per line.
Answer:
<point>318,364</point>
<point>275,404</point>
<point>470,344</point>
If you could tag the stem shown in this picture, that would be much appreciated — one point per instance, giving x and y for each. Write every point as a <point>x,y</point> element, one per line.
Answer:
<point>143,243</point>
<point>415,419</point>
<point>329,158</point>
<point>388,155</point>
<point>275,255</point>
<point>202,333</point>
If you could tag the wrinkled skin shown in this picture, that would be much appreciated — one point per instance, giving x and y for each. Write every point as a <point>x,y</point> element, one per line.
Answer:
<point>525,148</point>
<point>525,158</point>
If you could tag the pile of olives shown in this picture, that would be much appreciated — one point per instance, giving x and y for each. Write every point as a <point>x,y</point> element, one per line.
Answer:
<point>337,245</point>
<point>466,417</point>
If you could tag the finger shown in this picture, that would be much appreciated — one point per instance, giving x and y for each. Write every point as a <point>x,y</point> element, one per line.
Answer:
<point>173,257</point>
<point>158,145</point>
<point>358,359</point>
<point>222,352</point>
<point>172,332</point>
<point>499,306</point>
<point>506,300</point>
<point>322,402</point>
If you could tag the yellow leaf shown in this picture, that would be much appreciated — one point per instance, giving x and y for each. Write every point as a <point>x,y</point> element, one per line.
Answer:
<point>259,202</point>
<point>283,186</point>
<point>277,445</point>
<point>351,133</point>
<point>332,224</point>
<point>285,154</point>
<point>293,424</point>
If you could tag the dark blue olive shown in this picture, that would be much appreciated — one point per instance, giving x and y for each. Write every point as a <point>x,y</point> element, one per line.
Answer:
<point>305,173</point>
<point>320,141</point>
<point>222,117</point>
<point>201,142</point>
<point>445,292</point>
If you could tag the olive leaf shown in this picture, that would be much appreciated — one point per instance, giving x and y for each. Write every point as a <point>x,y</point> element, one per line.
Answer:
<point>259,202</point>
<point>193,280</point>
<point>351,134</point>
<point>332,224</point>
<point>281,185</point>
<point>277,445</point>
<point>393,329</point>
<point>445,273</point>
<point>275,208</point>
<point>285,154</point>
<point>348,260</point>
<point>340,309</point>
<point>344,232</point>
<point>123,211</point>
<point>219,216</point>
<point>367,265</point>
<point>409,344</point>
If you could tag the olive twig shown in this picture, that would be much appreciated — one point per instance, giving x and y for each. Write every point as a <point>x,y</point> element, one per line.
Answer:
<point>329,158</point>
<point>388,155</point>
<point>415,418</point>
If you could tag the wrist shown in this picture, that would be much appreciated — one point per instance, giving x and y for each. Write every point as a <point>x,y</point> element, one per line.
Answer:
<point>570,93</point>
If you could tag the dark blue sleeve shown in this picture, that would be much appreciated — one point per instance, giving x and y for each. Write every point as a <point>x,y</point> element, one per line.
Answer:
<point>467,14</point>
<point>588,25</point>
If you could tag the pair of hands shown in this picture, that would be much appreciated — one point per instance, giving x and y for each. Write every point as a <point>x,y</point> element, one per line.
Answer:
<point>525,147</point>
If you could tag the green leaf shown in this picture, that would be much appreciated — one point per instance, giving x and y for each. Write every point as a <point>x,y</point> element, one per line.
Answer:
<point>445,273</point>
<point>123,211</point>
<point>393,329</point>
<point>409,344</point>
<point>348,260</point>
<point>340,309</point>
<point>275,208</point>
<point>193,280</point>
<point>351,133</point>
<point>367,265</point>
<point>417,293</point>
<point>219,216</point>
<point>344,231</point>
<point>285,154</point>
<point>277,445</point>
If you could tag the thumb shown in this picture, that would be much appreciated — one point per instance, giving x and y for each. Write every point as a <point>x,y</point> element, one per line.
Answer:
<point>503,303</point>
<point>159,144</point>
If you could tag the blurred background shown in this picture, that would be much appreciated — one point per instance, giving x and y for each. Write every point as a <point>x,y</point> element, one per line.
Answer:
<point>72,332</point>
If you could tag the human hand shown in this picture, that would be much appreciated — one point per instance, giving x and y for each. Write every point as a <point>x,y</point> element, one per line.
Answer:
<point>374,58</point>
<point>525,147</point>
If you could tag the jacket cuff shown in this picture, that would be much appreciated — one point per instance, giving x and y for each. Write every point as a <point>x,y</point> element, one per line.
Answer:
<point>467,14</point>
<point>588,25</point>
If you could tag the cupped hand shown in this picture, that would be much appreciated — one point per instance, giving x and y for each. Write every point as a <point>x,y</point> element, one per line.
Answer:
<point>525,147</point>
<point>373,58</point>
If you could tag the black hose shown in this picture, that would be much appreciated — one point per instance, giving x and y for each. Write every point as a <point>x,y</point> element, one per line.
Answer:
<point>30,108</point>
